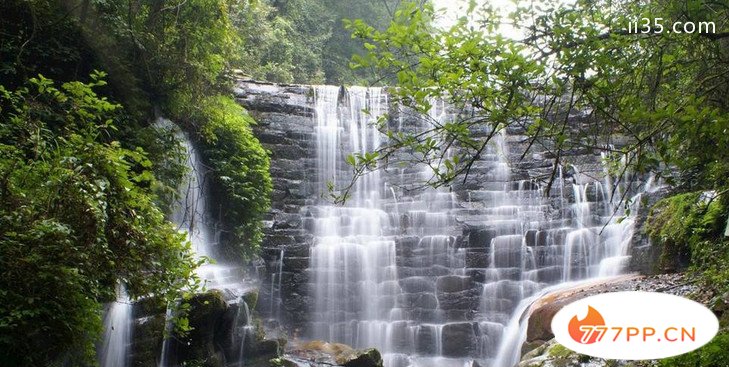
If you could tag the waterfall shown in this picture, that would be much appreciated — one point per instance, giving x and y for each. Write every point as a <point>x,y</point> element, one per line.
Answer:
<point>353,262</point>
<point>440,276</point>
<point>245,331</point>
<point>596,255</point>
<point>192,215</point>
<point>117,331</point>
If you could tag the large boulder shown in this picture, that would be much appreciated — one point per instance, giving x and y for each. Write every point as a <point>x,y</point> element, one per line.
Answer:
<point>336,354</point>
<point>208,329</point>
<point>364,358</point>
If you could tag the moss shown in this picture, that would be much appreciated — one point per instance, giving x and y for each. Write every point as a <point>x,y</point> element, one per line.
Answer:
<point>251,299</point>
<point>713,354</point>
<point>260,332</point>
<point>688,230</point>
<point>666,228</point>
<point>281,362</point>
<point>364,358</point>
<point>559,351</point>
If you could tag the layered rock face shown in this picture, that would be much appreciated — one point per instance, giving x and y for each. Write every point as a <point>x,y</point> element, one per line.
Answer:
<point>425,275</point>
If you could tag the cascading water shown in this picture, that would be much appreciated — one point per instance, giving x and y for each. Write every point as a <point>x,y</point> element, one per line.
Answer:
<point>117,331</point>
<point>245,332</point>
<point>353,262</point>
<point>394,268</point>
<point>192,215</point>
<point>593,248</point>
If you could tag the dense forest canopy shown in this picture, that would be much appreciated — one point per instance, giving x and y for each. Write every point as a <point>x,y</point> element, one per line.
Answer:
<point>304,41</point>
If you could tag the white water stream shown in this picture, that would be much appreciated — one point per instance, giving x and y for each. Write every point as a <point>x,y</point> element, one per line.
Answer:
<point>389,270</point>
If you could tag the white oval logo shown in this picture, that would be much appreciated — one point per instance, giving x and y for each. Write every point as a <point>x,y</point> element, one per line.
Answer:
<point>634,325</point>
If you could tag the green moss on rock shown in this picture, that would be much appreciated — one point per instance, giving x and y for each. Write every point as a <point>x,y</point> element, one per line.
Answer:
<point>251,299</point>
<point>364,358</point>
<point>559,351</point>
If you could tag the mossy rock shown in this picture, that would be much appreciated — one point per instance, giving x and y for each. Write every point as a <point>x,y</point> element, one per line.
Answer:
<point>251,299</point>
<point>268,348</point>
<point>147,342</point>
<point>364,358</point>
<point>528,347</point>
<point>149,306</point>
<point>282,362</point>
<point>205,317</point>
<point>559,351</point>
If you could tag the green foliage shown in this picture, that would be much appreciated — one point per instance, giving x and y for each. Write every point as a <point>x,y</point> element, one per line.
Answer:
<point>303,41</point>
<point>38,39</point>
<point>86,183</point>
<point>240,166</point>
<point>670,225</point>
<point>689,228</point>
<point>167,155</point>
<point>471,69</point>
<point>713,354</point>
<point>77,215</point>
<point>654,102</point>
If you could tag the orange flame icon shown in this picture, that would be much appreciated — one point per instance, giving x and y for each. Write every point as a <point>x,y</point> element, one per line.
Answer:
<point>583,331</point>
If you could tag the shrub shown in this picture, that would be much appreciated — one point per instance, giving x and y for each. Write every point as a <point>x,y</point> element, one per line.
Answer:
<point>241,184</point>
<point>77,214</point>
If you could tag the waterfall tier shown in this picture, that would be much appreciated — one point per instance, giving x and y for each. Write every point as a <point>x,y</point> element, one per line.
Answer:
<point>431,277</point>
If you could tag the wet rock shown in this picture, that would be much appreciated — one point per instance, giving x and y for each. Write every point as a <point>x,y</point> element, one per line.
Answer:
<point>268,348</point>
<point>418,300</point>
<point>251,298</point>
<point>319,353</point>
<point>465,300</point>
<point>208,329</point>
<point>405,245</point>
<point>287,220</point>
<point>417,285</point>
<point>426,340</point>
<point>480,238</point>
<point>459,339</point>
<point>531,237</point>
<point>453,283</point>
<point>644,256</point>
<point>477,259</point>
<point>147,342</point>
<point>295,264</point>
<point>366,358</point>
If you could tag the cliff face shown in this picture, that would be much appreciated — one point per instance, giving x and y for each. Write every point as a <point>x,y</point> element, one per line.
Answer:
<point>464,256</point>
<point>286,128</point>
